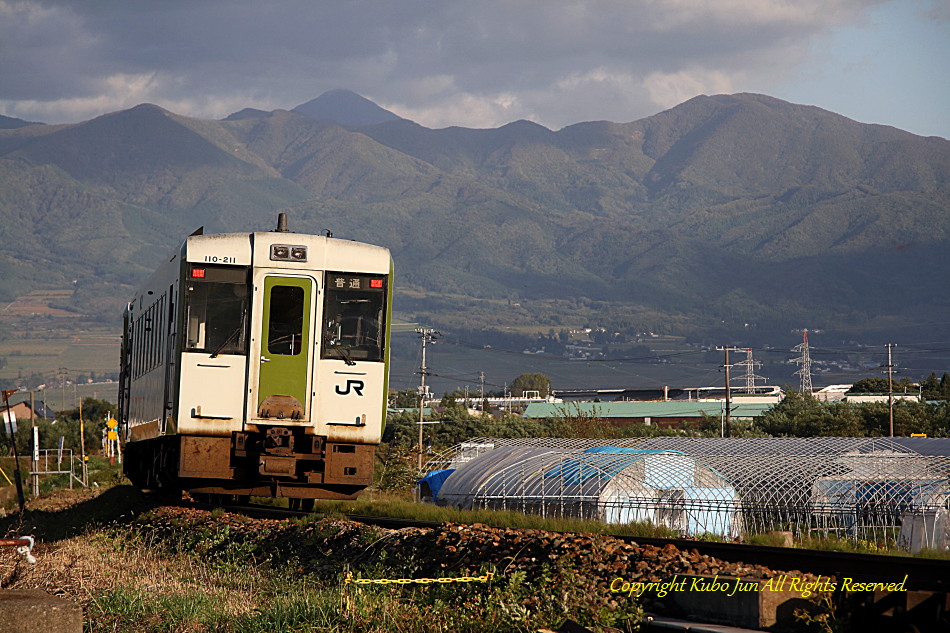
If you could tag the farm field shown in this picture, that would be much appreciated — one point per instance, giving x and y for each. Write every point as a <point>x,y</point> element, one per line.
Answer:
<point>38,337</point>
<point>454,366</point>
<point>40,341</point>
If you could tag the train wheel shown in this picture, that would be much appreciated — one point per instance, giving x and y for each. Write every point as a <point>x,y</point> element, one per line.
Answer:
<point>293,503</point>
<point>203,497</point>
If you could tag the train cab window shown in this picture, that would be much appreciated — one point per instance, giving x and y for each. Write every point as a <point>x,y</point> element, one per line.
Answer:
<point>354,317</point>
<point>216,307</point>
<point>285,328</point>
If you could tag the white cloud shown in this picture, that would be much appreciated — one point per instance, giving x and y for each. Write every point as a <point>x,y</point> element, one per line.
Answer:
<point>464,109</point>
<point>440,62</point>
<point>116,92</point>
<point>669,89</point>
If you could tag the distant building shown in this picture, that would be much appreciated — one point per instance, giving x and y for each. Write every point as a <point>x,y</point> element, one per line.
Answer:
<point>40,411</point>
<point>880,397</point>
<point>842,393</point>
<point>765,394</point>
<point>831,393</point>
<point>666,413</point>
<point>619,395</point>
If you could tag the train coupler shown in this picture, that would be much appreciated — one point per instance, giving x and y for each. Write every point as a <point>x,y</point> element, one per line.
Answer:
<point>278,465</point>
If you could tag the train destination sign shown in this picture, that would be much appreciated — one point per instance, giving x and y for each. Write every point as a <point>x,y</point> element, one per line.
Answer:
<point>355,282</point>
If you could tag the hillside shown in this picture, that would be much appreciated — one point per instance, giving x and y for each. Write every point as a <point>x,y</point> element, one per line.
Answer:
<point>722,211</point>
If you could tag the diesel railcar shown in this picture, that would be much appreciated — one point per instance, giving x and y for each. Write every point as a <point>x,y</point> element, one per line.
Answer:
<point>257,364</point>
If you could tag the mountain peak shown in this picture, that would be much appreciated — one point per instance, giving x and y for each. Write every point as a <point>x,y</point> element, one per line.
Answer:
<point>12,123</point>
<point>346,108</point>
<point>246,113</point>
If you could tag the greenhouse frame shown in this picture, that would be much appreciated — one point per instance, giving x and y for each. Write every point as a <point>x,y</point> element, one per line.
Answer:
<point>870,489</point>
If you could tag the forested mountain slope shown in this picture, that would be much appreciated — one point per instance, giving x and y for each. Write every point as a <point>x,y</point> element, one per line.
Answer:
<point>730,208</point>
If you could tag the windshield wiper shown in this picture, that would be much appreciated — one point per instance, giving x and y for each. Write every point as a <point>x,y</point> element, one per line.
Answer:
<point>226,341</point>
<point>343,354</point>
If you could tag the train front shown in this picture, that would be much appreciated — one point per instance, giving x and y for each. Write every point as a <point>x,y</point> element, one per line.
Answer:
<point>284,365</point>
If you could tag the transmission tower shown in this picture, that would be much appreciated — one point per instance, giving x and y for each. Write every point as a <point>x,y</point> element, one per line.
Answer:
<point>805,361</point>
<point>750,366</point>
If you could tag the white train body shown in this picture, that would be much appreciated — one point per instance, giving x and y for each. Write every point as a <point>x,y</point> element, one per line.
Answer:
<point>258,364</point>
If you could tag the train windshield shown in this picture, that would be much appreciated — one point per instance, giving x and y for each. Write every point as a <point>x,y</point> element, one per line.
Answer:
<point>216,308</point>
<point>354,317</point>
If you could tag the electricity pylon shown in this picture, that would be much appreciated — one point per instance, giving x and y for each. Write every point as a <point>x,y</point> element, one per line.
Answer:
<point>749,376</point>
<point>805,361</point>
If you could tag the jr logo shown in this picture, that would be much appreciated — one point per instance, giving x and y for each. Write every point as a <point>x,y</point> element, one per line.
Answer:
<point>355,385</point>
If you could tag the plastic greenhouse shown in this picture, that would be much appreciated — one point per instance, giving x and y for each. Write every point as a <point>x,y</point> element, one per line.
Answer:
<point>856,488</point>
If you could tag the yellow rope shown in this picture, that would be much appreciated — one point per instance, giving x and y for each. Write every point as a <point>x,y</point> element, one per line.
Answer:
<point>420,581</point>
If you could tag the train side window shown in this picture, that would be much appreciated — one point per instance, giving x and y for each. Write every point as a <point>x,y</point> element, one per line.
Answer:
<point>216,306</point>
<point>285,328</point>
<point>354,317</point>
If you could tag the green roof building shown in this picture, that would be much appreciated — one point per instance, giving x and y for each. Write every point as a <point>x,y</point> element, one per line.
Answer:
<point>661,413</point>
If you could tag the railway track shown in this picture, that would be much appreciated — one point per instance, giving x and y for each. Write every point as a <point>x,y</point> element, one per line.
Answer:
<point>922,574</point>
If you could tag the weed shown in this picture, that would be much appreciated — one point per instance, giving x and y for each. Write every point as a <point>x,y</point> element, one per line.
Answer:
<point>824,614</point>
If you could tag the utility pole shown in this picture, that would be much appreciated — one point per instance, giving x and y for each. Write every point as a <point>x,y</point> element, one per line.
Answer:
<point>805,361</point>
<point>889,368</point>
<point>428,335</point>
<point>63,375</point>
<point>481,394</point>
<point>9,418</point>
<point>727,431</point>
<point>82,445</point>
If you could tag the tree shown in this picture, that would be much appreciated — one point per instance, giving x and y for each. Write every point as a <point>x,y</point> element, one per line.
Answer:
<point>869,385</point>
<point>800,415</point>
<point>405,399</point>
<point>531,382</point>
<point>880,385</point>
<point>933,389</point>
<point>572,422</point>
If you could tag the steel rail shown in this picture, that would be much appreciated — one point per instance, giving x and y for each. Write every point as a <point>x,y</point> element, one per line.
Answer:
<point>922,574</point>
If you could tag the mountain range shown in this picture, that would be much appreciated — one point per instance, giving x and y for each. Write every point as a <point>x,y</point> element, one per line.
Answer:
<point>723,211</point>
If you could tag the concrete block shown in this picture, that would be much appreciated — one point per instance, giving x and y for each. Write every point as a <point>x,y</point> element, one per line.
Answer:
<point>35,611</point>
<point>749,603</point>
<point>783,539</point>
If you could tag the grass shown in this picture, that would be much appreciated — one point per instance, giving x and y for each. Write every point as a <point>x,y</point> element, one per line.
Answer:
<point>394,506</point>
<point>130,578</point>
<point>213,573</point>
<point>397,506</point>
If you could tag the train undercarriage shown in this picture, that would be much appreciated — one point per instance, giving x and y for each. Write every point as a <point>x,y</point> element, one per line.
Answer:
<point>276,462</point>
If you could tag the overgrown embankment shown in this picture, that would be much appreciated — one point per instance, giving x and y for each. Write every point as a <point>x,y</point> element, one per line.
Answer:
<point>154,569</point>
<point>177,569</point>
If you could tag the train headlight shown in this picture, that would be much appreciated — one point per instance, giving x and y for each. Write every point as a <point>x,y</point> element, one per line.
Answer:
<point>288,253</point>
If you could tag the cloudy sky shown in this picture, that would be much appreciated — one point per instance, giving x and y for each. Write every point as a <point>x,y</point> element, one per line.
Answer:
<point>476,63</point>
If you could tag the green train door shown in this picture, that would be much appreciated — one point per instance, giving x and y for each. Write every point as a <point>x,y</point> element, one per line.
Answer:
<point>286,348</point>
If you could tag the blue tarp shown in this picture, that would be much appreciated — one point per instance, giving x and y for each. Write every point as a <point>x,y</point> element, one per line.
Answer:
<point>574,472</point>
<point>434,481</point>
